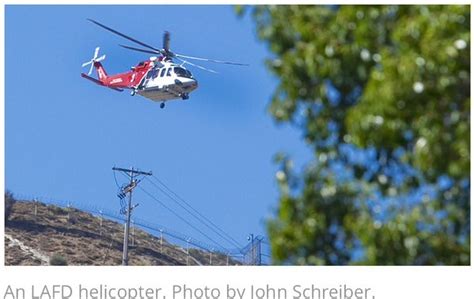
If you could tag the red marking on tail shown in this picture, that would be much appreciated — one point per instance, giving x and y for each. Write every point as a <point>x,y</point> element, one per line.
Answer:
<point>101,73</point>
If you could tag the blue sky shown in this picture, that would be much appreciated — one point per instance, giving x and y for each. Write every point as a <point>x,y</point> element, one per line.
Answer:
<point>63,134</point>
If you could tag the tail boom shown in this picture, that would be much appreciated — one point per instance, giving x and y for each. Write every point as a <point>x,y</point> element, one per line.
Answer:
<point>126,80</point>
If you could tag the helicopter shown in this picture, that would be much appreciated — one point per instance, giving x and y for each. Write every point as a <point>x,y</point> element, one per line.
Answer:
<point>158,78</point>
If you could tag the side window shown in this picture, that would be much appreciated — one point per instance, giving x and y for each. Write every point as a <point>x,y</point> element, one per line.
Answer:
<point>162,72</point>
<point>168,73</point>
<point>155,73</point>
<point>148,75</point>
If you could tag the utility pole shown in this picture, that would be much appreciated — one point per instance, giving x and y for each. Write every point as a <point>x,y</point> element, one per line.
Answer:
<point>133,233</point>
<point>255,249</point>
<point>252,260</point>
<point>132,174</point>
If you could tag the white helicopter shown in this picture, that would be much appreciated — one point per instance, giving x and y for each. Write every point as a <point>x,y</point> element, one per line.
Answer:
<point>158,79</point>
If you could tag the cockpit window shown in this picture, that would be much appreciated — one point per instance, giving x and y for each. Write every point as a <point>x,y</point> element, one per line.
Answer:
<point>168,73</point>
<point>180,72</point>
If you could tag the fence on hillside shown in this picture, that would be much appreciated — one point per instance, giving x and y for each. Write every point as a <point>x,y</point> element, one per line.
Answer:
<point>251,254</point>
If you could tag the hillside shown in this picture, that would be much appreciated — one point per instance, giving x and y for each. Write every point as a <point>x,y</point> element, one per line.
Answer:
<point>80,239</point>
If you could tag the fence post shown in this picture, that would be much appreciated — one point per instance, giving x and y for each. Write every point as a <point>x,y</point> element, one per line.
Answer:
<point>100,222</point>
<point>112,236</point>
<point>69,215</point>
<point>227,259</point>
<point>161,241</point>
<point>36,207</point>
<point>187,251</point>
<point>68,211</point>
<point>210,256</point>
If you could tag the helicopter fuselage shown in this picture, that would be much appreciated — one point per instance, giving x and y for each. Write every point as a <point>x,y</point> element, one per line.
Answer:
<point>166,81</point>
<point>157,80</point>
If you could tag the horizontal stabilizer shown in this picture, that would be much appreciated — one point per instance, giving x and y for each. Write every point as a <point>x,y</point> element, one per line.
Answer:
<point>115,88</point>
<point>100,82</point>
<point>92,79</point>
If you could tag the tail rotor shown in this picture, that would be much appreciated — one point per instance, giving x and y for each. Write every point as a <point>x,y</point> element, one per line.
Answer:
<point>94,60</point>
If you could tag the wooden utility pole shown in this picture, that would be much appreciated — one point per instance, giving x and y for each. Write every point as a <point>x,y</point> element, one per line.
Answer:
<point>132,174</point>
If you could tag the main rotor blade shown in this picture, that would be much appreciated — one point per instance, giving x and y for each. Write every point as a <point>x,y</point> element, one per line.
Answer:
<point>198,66</point>
<point>140,50</point>
<point>210,60</point>
<point>123,35</point>
<point>166,41</point>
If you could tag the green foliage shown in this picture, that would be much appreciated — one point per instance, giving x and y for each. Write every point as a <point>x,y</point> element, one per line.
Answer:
<point>57,260</point>
<point>422,86</point>
<point>392,80</point>
<point>9,202</point>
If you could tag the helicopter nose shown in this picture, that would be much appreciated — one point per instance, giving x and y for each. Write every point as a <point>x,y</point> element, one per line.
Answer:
<point>187,83</point>
<point>193,84</point>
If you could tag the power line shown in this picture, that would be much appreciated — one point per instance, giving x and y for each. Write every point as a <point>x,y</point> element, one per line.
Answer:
<point>210,225</point>
<point>228,237</point>
<point>223,235</point>
<point>182,219</point>
<point>214,227</point>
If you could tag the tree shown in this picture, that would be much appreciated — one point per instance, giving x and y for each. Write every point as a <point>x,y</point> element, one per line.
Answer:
<point>381,93</point>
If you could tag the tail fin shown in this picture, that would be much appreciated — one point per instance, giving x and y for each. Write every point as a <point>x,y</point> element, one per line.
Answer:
<point>101,73</point>
<point>95,62</point>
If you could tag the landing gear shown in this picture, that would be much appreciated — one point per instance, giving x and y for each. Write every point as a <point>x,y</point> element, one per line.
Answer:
<point>132,93</point>
<point>185,96</point>
<point>162,105</point>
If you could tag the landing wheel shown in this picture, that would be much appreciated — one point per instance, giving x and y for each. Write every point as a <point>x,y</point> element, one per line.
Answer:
<point>132,93</point>
<point>185,96</point>
<point>162,105</point>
